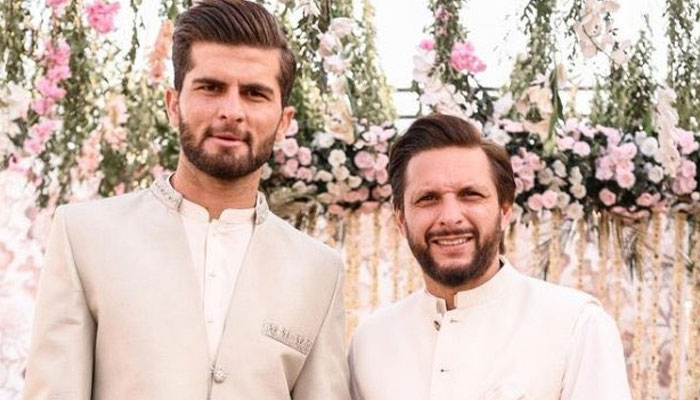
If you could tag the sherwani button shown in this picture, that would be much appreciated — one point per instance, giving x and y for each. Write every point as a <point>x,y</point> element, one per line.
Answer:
<point>219,375</point>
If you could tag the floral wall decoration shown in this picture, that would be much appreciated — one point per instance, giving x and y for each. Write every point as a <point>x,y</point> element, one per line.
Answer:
<point>608,202</point>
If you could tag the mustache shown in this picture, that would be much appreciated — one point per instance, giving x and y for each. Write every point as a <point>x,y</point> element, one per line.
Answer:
<point>451,232</point>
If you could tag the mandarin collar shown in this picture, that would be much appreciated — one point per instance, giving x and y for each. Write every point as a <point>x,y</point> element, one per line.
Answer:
<point>171,198</point>
<point>490,290</point>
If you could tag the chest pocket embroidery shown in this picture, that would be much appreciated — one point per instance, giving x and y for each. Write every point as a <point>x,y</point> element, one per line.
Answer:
<point>284,335</point>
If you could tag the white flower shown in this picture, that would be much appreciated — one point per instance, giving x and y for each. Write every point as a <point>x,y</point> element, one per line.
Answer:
<point>15,99</point>
<point>266,171</point>
<point>574,211</point>
<point>563,200</point>
<point>545,176</point>
<point>337,158</point>
<point>576,177</point>
<point>300,187</point>
<point>309,7</point>
<point>578,191</point>
<point>499,136</point>
<point>342,27</point>
<point>656,174</point>
<point>649,147</point>
<point>341,173</point>
<point>324,140</point>
<point>422,64</point>
<point>335,64</point>
<point>559,169</point>
<point>503,105</point>
<point>328,43</point>
<point>354,181</point>
<point>323,176</point>
<point>639,138</point>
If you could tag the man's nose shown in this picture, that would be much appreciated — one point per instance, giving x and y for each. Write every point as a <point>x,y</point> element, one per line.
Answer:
<point>451,213</point>
<point>231,107</point>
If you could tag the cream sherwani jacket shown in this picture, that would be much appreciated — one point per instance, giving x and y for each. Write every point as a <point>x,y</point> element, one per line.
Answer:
<point>512,338</point>
<point>119,311</point>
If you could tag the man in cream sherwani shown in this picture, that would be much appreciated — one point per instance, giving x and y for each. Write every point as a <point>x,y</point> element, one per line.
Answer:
<point>480,330</point>
<point>192,289</point>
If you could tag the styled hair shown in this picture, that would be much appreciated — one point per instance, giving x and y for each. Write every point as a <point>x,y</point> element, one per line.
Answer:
<point>231,22</point>
<point>438,131</point>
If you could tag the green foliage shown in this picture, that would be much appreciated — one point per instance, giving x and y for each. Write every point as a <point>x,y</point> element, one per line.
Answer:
<point>628,99</point>
<point>684,60</point>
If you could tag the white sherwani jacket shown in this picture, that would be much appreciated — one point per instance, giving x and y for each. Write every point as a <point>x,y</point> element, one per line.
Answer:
<point>119,311</point>
<point>512,338</point>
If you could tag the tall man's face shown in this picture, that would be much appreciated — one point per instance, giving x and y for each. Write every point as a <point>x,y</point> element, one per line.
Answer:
<point>451,216</point>
<point>229,111</point>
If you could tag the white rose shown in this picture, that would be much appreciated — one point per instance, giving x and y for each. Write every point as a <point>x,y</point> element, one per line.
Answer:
<point>354,181</point>
<point>639,138</point>
<point>324,140</point>
<point>649,147</point>
<point>559,169</point>
<point>578,191</point>
<point>299,187</point>
<point>266,171</point>
<point>576,177</point>
<point>574,211</point>
<point>342,27</point>
<point>337,158</point>
<point>323,176</point>
<point>499,136</point>
<point>656,174</point>
<point>335,64</point>
<point>341,173</point>
<point>545,176</point>
<point>563,200</point>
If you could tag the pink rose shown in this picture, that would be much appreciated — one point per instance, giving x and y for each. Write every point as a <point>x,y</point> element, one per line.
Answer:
<point>363,160</point>
<point>381,192</point>
<point>363,193</point>
<point>305,174</point>
<point>304,156</point>
<point>534,203</point>
<point>682,186</point>
<point>289,168</point>
<point>58,73</point>
<point>101,16</point>
<point>427,44</point>
<point>289,147</point>
<point>335,209</point>
<point>687,169</point>
<point>382,176</point>
<point>612,134</point>
<point>351,197</point>
<point>369,206</point>
<point>604,169</point>
<point>565,143</point>
<point>686,141</point>
<point>381,162</point>
<point>645,200</point>
<point>582,149</point>
<point>368,174</point>
<point>629,150</point>
<point>607,197</point>
<point>549,199</point>
<point>50,89</point>
<point>56,55</point>
<point>626,180</point>
<point>462,58</point>
<point>43,106</point>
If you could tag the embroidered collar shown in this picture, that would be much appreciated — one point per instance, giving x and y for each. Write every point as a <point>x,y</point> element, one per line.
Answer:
<point>171,198</point>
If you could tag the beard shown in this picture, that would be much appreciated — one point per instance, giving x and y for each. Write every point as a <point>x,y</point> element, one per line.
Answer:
<point>224,164</point>
<point>485,250</point>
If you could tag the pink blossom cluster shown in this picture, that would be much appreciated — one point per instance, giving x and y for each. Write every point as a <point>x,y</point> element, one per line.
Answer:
<point>685,182</point>
<point>90,155</point>
<point>547,200</point>
<point>39,134</point>
<point>101,15</point>
<point>373,167</point>
<point>617,163</point>
<point>294,160</point>
<point>578,147</point>
<point>464,60</point>
<point>687,143</point>
<point>525,166</point>
<point>57,6</point>
<point>55,60</point>
<point>161,50</point>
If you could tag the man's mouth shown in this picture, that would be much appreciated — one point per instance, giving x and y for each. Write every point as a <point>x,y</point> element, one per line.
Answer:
<point>452,240</point>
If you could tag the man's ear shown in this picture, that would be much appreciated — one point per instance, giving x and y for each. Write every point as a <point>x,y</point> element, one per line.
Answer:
<point>400,221</point>
<point>506,215</point>
<point>285,121</point>
<point>172,105</point>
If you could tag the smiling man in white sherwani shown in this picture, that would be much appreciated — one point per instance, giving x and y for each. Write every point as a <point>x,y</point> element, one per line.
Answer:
<point>479,330</point>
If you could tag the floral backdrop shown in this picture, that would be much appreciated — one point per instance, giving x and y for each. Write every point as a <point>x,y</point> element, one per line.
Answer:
<point>609,201</point>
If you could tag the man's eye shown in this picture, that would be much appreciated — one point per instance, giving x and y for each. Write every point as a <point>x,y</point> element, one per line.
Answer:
<point>426,198</point>
<point>209,88</point>
<point>255,93</point>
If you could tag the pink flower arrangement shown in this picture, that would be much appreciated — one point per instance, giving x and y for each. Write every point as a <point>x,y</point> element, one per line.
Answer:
<point>607,197</point>
<point>101,15</point>
<point>55,59</point>
<point>464,60</point>
<point>427,44</point>
<point>685,182</point>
